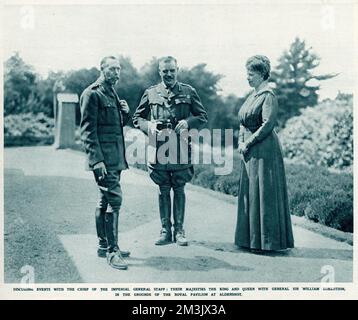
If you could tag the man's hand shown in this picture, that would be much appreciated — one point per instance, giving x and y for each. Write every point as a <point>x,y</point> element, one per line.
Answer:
<point>124,106</point>
<point>243,149</point>
<point>101,168</point>
<point>152,127</point>
<point>182,125</point>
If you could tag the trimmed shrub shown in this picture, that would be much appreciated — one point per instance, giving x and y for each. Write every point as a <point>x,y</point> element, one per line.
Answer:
<point>227,184</point>
<point>321,135</point>
<point>334,210</point>
<point>314,192</point>
<point>28,129</point>
<point>206,177</point>
<point>321,196</point>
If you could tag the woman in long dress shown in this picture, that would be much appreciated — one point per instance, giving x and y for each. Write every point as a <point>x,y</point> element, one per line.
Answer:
<point>263,217</point>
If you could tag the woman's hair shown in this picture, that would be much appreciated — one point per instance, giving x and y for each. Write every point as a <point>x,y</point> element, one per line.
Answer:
<point>259,64</point>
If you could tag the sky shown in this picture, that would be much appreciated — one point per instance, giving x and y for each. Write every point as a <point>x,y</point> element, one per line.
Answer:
<point>65,37</point>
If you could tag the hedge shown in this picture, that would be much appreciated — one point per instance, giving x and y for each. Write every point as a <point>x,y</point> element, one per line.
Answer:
<point>314,192</point>
<point>28,129</point>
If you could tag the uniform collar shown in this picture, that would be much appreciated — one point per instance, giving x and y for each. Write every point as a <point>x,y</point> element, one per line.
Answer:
<point>266,88</point>
<point>164,90</point>
<point>107,87</point>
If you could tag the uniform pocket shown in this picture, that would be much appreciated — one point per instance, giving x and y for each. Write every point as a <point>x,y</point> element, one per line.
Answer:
<point>182,106</point>
<point>108,112</point>
<point>156,107</point>
<point>107,137</point>
<point>110,153</point>
<point>110,150</point>
<point>182,100</point>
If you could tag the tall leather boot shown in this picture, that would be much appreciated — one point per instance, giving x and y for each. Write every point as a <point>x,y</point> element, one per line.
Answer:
<point>101,232</point>
<point>179,211</point>
<point>165,212</point>
<point>114,257</point>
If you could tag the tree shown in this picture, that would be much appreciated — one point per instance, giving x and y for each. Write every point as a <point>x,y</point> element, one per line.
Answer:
<point>20,82</point>
<point>206,84</point>
<point>25,91</point>
<point>149,73</point>
<point>296,85</point>
<point>227,118</point>
<point>129,87</point>
<point>78,80</point>
<point>45,89</point>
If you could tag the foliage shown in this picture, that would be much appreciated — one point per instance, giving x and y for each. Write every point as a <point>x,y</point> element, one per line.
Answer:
<point>206,84</point>
<point>20,81</point>
<point>322,135</point>
<point>28,129</point>
<point>25,91</point>
<point>76,81</point>
<point>130,87</point>
<point>313,192</point>
<point>296,85</point>
<point>45,90</point>
<point>321,196</point>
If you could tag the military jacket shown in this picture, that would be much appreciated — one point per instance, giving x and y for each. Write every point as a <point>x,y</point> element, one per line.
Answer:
<point>101,126</point>
<point>160,104</point>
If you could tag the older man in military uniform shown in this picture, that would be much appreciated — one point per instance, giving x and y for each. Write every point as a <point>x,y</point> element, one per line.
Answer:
<point>168,106</point>
<point>103,116</point>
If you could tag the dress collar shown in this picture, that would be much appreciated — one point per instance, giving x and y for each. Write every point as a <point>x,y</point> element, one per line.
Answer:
<point>266,88</point>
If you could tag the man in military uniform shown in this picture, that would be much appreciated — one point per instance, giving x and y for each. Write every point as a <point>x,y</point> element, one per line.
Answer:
<point>103,116</point>
<point>170,105</point>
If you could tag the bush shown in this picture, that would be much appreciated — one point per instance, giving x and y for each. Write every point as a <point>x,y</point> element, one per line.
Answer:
<point>334,210</point>
<point>228,185</point>
<point>205,177</point>
<point>322,135</point>
<point>28,129</point>
<point>314,192</point>
<point>321,196</point>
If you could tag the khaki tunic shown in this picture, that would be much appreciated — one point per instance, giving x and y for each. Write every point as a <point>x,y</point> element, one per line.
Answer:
<point>102,126</point>
<point>182,102</point>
